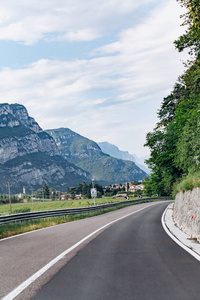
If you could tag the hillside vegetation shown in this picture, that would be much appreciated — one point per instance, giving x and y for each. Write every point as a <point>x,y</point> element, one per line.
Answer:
<point>175,141</point>
<point>87,155</point>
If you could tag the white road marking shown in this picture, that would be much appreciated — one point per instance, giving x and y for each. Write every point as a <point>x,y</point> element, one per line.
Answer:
<point>176,240</point>
<point>34,231</point>
<point>35,276</point>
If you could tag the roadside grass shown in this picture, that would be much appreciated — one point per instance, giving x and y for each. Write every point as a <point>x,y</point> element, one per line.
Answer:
<point>7,230</point>
<point>188,183</point>
<point>52,205</point>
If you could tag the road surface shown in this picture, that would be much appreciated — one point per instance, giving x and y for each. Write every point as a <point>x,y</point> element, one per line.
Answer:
<point>24,256</point>
<point>132,259</point>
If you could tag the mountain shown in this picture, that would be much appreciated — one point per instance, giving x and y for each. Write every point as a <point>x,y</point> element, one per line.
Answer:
<point>87,155</point>
<point>114,151</point>
<point>29,156</point>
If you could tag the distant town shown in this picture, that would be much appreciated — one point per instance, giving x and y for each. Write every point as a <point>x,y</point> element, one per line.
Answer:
<point>82,191</point>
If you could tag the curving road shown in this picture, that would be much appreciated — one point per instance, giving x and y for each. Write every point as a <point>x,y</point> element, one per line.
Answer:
<point>23,257</point>
<point>132,259</point>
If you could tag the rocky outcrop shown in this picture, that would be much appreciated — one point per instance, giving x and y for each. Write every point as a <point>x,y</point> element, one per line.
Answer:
<point>21,135</point>
<point>18,145</point>
<point>187,212</point>
<point>15,115</point>
<point>29,156</point>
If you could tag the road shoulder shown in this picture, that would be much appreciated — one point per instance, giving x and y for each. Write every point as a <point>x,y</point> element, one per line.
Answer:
<point>178,235</point>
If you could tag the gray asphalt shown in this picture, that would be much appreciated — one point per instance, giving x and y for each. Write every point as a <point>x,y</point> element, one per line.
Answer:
<point>23,255</point>
<point>132,259</point>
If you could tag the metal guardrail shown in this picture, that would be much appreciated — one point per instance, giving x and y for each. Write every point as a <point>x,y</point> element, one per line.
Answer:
<point>70,211</point>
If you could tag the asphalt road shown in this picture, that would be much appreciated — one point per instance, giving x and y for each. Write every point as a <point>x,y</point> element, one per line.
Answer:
<point>21,257</point>
<point>132,259</point>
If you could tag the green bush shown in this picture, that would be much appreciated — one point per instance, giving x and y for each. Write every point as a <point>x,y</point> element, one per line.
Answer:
<point>188,183</point>
<point>22,210</point>
<point>99,195</point>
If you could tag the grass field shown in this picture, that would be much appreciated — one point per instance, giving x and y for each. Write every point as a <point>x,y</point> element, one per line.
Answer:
<point>7,230</point>
<point>51,205</point>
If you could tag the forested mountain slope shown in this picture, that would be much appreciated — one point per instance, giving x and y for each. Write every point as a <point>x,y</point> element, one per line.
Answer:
<point>87,155</point>
<point>114,151</point>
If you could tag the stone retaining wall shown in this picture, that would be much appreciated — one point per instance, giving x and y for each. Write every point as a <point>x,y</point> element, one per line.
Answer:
<point>187,212</point>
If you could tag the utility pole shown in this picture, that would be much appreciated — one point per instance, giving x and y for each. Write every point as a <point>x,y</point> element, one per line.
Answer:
<point>32,197</point>
<point>9,197</point>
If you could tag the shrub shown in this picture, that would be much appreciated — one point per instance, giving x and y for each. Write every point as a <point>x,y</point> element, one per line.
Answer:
<point>22,210</point>
<point>187,183</point>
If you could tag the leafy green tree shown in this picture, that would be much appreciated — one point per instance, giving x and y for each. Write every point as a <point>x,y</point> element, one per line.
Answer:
<point>191,38</point>
<point>138,193</point>
<point>45,191</point>
<point>84,189</point>
<point>99,195</point>
<point>175,141</point>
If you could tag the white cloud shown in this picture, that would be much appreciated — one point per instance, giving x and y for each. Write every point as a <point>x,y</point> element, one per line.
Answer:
<point>72,20</point>
<point>77,36</point>
<point>111,97</point>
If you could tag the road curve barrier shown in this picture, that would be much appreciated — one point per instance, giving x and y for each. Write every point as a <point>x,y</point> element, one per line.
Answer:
<point>70,211</point>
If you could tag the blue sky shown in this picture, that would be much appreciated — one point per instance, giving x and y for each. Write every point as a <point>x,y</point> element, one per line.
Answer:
<point>98,67</point>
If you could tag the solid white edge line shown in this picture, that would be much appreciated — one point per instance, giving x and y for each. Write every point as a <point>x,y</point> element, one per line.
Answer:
<point>194,254</point>
<point>35,276</point>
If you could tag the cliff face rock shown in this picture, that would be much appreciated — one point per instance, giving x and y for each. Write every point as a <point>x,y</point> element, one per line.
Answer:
<point>15,115</point>
<point>87,154</point>
<point>186,212</point>
<point>18,145</point>
<point>29,156</point>
<point>20,134</point>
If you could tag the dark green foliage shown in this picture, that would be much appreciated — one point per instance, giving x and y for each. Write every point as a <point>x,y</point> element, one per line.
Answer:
<point>22,210</point>
<point>175,142</point>
<point>191,38</point>
<point>43,192</point>
<point>168,106</point>
<point>138,193</point>
<point>4,199</point>
<point>84,189</point>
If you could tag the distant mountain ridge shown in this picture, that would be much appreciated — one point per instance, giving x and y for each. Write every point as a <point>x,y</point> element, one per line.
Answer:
<point>114,151</point>
<point>87,155</point>
<point>29,156</point>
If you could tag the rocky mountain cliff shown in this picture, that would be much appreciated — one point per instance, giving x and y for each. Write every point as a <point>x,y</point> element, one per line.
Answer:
<point>29,156</point>
<point>88,155</point>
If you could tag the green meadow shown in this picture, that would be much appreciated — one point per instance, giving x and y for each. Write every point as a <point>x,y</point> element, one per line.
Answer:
<point>52,205</point>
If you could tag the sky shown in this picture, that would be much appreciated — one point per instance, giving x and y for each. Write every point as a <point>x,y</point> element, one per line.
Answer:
<point>98,67</point>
